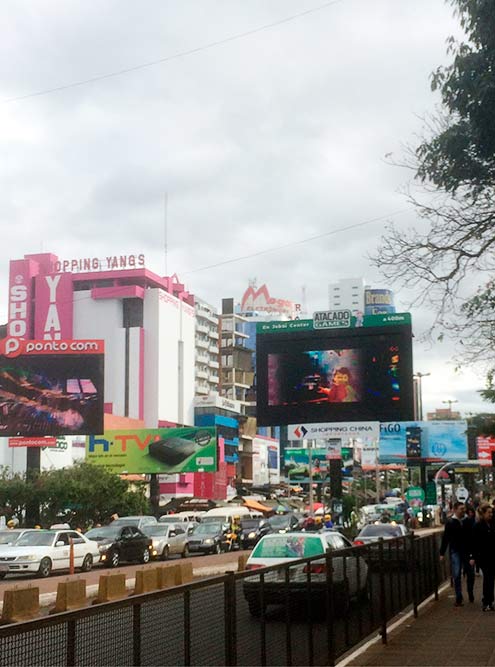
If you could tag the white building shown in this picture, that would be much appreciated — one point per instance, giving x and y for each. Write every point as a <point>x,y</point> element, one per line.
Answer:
<point>347,294</point>
<point>207,363</point>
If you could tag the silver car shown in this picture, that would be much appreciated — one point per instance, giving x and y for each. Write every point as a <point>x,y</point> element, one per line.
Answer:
<point>168,539</point>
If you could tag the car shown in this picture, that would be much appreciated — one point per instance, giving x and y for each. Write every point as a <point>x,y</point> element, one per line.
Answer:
<point>208,538</point>
<point>285,548</point>
<point>252,530</point>
<point>282,523</point>
<point>118,543</point>
<point>138,521</point>
<point>42,551</point>
<point>187,526</point>
<point>11,535</point>
<point>168,539</point>
<point>392,555</point>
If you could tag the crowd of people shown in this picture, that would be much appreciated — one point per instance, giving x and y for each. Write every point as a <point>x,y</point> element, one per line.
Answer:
<point>469,536</point>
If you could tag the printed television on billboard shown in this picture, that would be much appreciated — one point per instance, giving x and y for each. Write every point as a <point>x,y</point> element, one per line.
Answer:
<point>51,388</point>
<point>333,375</point>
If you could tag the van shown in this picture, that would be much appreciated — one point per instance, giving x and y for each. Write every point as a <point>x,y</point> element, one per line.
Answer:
<point>226,514</point>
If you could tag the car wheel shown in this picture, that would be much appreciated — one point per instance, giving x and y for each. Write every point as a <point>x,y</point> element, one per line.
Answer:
<point>45,567</point>
<point>114,559</point>
<point>185,553</point>
<point>217,549</point>
<point>165,553</point>
<point>145,558</point>
<point>87,563</point>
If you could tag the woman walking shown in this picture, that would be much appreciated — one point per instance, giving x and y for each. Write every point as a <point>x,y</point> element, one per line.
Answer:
<point>483,552</point>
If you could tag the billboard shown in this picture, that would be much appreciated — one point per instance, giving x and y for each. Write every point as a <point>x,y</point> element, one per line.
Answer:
<point>296,463</point>
<point>433,441</point>
<point>51,387</point>
<point>485,447</point>
<point>265,458</point>
<point>161,450</point>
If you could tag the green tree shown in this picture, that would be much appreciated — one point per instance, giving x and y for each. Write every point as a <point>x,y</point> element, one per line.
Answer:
<point>86,494</point>
<point>451,265</point>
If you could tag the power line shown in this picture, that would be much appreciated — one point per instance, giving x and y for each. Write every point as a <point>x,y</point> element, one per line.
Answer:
<point>175,56</point>
<point>296,243</point>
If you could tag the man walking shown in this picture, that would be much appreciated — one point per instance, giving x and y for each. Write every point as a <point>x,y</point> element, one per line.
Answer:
<point>457,537</point>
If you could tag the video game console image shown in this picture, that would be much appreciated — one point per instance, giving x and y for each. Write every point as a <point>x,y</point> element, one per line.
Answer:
<point>173,451</point>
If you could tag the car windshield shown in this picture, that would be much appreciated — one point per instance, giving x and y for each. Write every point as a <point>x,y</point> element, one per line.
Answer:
<point>126,522</point>
<point>209,528</point>
<point>289,546</point>
<point>168,519</point>
<point>155,530</point>
<point>103,532</point>
<point>35,539</point>
<point>250,524</point>
<point>9,536</point>
<point>381,530</point>
<point>279,521</point>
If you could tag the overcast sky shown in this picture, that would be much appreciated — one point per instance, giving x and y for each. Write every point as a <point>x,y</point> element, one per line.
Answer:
<point>258,142</point>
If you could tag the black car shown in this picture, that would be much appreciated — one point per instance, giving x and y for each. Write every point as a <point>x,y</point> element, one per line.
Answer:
<point>252,530</point>
<point>121,543</point>
<point>208,538</point>
<point>283,523</point>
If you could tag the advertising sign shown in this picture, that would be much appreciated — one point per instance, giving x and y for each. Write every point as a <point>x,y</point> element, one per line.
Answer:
<point>161,450</point>
<point>54,307</point>
<point>51,387</point>
<point>33,442</point>
<point>486,446</point>
<point>430,440</point>
<point>415,495</point>
<point>332,319</point>
<point>296,462</point>
<point>346,431</point>
<point>334,375</point>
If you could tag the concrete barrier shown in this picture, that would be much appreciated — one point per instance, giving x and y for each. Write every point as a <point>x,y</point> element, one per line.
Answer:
<point>111,587</point>
<point>241,562</point>
<point>146,581</point>
<point>169,576</point>
<point>71,594</point>
<point>20,604</point>
<point>186,572</point>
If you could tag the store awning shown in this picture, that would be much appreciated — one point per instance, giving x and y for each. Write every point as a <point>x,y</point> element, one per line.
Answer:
<point>256,506</point>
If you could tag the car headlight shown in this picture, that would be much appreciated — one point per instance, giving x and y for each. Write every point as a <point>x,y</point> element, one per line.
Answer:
<point>251,536</point>
<point>208,540</point>
<point>102,548</point>
<point>30,557</point>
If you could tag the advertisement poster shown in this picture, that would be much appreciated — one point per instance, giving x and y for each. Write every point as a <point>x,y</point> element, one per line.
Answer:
<point>434,441</point>
<point>160,450</point>
<point>296,461</point>
<point>51,387</point>
<point>485,445</point>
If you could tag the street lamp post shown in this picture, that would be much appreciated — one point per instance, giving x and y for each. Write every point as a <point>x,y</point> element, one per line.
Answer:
<point>450,403</point>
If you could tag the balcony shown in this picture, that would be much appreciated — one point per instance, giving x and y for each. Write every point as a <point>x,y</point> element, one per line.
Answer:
<point>214,334</point>
<point>203,328</point>
<point>214,379</point>
<point>205,344</point>
<point>213,349</point>
<point>213,364</point>
<point>202,389</point>
<point>203,359</point>
<point>203,375</point>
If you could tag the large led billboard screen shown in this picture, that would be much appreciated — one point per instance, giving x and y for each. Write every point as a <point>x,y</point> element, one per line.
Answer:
<point>51,387</point>
<point>329,375</point>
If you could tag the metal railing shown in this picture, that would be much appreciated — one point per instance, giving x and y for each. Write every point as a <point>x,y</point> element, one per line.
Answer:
<point>310,611</point>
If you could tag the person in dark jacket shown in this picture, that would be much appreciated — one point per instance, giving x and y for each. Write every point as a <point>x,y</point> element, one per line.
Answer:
<point>457,538</point>
<point>483,553</point>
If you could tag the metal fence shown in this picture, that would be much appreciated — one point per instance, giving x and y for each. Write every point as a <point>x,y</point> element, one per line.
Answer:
<point>309,612</point>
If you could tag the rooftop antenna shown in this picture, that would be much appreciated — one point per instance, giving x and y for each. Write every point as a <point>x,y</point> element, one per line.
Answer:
<point>165,221</point>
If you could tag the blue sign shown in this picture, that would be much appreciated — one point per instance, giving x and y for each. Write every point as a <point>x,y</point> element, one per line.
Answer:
<point>433,441</point>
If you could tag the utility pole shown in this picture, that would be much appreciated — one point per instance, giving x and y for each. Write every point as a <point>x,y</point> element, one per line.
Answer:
<point>450,403</point>
<point>419,395</point>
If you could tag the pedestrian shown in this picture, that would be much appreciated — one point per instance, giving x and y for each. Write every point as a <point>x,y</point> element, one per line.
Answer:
<point>483,552</point>
<point>457,537</point>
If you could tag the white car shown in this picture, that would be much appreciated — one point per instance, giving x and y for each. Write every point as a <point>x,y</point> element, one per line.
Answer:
<point>168,539</point>
<point>41,551</point>
<point>283,549</point>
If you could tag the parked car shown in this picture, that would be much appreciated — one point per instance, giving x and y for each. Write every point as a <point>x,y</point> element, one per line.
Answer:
<point>208,538</point>
<point>374,531</point>
<point>138,521</point>
<point>121,543</point>
<point>252,530</point>
<point>168,539</point>
<point>42,551</point>
<point>285,548</point>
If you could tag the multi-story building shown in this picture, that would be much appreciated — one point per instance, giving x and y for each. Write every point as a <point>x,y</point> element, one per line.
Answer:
<point>236,358</point>
<point>347,293</point>
<point>207,362</point>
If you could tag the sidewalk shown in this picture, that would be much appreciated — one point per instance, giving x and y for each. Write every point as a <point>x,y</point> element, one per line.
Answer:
<point>441,635</point>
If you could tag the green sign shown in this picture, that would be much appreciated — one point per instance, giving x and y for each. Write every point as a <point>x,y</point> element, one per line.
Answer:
<point>161,450</point>
<point>431,493</point>
<point>325,320</point>
<point>415,494</point>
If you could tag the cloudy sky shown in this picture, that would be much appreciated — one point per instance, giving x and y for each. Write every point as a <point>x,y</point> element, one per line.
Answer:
<point>264,138</point>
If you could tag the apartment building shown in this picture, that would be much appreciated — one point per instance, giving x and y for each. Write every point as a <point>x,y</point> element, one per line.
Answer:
<point>207,360</point>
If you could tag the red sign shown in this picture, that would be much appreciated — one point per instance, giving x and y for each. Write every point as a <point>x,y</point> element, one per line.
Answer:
<point>32,442</point>
<point>486,446</point>
<point>13,347</point>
